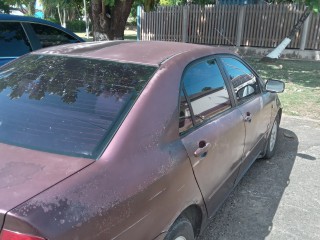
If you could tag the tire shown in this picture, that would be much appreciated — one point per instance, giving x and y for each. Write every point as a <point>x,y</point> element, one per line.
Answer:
<point>272,139</point>
<point>181,230</point>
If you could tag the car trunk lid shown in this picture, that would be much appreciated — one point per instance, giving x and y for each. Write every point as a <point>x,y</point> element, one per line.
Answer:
<point>25,173</point>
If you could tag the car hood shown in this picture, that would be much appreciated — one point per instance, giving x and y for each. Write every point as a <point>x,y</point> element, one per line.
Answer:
<point>24,173</point>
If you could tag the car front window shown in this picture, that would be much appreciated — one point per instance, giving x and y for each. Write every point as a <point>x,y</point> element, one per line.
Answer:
<point>66,105</point>
<point>243,81</point>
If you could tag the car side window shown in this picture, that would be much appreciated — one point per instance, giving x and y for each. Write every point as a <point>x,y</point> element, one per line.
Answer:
<point>50,36</point>
<point>13,40</point>
<point>243,81</point>
<point>205,90</point>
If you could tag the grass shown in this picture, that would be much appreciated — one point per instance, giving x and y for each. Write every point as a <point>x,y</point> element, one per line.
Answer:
<point>302,94</point>
<point>130,35</point>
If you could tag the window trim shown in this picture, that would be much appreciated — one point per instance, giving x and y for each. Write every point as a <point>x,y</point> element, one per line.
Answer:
<point>32,38</point>
<point>182,89</point>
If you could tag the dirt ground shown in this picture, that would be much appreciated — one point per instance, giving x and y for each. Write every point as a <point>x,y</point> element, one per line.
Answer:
<point>277,199</point>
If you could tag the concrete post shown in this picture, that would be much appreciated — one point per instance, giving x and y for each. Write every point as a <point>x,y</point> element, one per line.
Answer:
<point>305,32</point>
<point>185,23</point>
<point>240,26</point>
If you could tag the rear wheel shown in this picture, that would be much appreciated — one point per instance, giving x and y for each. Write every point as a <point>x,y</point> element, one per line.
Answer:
<point>181,230</point>
<point>272,139</point>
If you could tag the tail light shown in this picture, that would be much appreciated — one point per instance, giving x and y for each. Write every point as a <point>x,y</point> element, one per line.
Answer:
<point>9,235</point>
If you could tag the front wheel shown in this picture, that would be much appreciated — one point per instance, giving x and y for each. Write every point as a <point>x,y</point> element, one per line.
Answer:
<point>272,139</point>
<point>181,230</point>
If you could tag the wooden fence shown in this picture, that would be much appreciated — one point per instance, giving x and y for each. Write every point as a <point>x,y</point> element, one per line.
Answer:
<point>256,25</point>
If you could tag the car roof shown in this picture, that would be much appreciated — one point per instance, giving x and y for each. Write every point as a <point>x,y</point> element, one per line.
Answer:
<point>27,19</point>
<point>143,52</point>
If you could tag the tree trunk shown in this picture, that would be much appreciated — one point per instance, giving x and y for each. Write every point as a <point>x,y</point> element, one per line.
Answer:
<point>148,5</point>
<point>32,8</point>
<point>275,53</point>
<point>59,14</point>
<point>109,21</point>
<point>300,22</point>
<point>86,18</point>
<point>99,21</point>
<point>64,24</point>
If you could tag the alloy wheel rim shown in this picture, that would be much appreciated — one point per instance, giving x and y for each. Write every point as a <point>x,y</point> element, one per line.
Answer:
<point>180,238</point>
<point>273,136</point>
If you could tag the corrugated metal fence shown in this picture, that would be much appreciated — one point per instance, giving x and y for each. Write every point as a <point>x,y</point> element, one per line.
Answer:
<point>249,25</point>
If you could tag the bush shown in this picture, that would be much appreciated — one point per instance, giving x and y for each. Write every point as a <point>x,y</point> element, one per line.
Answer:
<point>54,20</point>
<point>76,25</point>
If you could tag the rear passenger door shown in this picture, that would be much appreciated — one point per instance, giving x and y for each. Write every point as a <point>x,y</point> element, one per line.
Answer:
<point>211,129</point>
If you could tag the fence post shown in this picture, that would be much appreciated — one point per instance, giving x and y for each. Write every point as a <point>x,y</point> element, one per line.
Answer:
<point>305,31</point>
<point>185,21</point>
<point>240,26</point>
<point>139,23</point>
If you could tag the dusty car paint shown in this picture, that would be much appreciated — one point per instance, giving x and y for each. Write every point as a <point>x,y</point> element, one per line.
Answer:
<point>145,178</point>
<point>22,168</point>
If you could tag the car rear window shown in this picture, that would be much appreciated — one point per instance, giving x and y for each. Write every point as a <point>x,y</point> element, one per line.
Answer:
<point>13,40</point>
<point>50,36</point>
<point>66,105</point>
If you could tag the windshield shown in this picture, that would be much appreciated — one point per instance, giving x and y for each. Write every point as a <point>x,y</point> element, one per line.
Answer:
<point>66,105</point>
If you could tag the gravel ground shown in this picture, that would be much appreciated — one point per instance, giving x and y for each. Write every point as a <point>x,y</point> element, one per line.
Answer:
<point>277,198</point>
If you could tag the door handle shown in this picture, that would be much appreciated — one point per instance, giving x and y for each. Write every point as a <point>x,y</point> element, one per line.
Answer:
<point>248,118</point>
<point>203,149</point>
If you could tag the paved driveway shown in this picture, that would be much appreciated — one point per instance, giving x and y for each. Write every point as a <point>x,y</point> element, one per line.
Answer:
<point>279,198</point>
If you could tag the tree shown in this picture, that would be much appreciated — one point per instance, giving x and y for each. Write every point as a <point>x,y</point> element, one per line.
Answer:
<point>185,2</point>
<point>64,10</point>
<point>109,17</point>
<point>4,8</point>
<point>311,6</point>
<point>27,7</point>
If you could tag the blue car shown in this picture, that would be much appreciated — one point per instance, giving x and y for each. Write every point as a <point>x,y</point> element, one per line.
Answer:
<point>20,35</point>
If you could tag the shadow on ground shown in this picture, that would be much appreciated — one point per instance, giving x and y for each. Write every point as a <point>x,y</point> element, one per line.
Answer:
<point>249,211</point>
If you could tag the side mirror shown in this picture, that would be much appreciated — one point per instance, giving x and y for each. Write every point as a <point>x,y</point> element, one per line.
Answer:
<point>275,86</point>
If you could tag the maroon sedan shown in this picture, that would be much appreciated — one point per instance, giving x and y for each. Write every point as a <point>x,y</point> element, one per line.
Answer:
<point>127,140</point>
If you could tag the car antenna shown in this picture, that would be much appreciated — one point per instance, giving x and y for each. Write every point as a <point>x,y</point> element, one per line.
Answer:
<point>229,41</point>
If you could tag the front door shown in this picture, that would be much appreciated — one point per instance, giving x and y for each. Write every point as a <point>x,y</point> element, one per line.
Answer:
<point>255,107</point>
<point>212,130</point>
